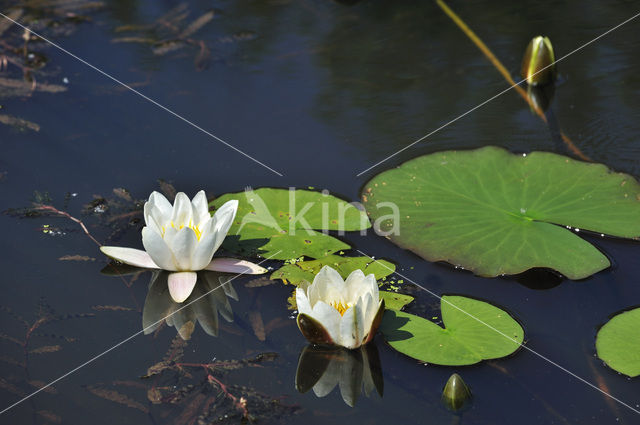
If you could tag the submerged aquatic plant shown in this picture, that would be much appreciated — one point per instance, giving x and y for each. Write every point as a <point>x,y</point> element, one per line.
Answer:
<point>333,311</point>
<point>182,239</point>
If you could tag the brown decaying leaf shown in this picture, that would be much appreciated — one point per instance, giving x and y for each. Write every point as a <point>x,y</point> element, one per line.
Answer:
<point>277,323</point>
<point>257,324</point>
<point>50,416</point>
<point>134,384</point>
<point>28,86</point>
<point>40,384</point>
<point>12,339</point>
<point>154,395</point>
<point>194,26</point>
<point>111,308</point>
<point>259,282</point>
<point>191,411</point>
<point>142,40</point>
<point>7,386</point>
<point>123,193</point>
<point>12,361</point>
<point>167,189</point>
<point>76,258</point>
<point>5,24</point>
<point>18,122</point>
<point>46,349</point>
<point>203,58</point>
<point>117,397</point>
<point>163,47</point>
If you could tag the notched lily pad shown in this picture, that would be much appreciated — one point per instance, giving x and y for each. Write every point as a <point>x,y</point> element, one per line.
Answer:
<point>473,331</point>
<point>618,343</point>
<point>496,213</point>
<point>285,223</point>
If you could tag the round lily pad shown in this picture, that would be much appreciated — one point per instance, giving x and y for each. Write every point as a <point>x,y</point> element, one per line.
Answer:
<point>496,213</point>
<point>618,343</point>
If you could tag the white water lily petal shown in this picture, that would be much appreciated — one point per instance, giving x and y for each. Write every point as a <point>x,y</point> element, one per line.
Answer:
<point>158,249</point>
<point>200,208</point>
<point>369,309</point>
<point>204,250</point>
<point>302,302</point>
<point>182,246</point>
<point>182,210</point>
<point>157,200</point>
<point>327,285</point>
<point>131,256</point>
<point>181,285</point>
<point>356,285</point>
<point>222,220</point>
<point>351,327</point>
<point>328,317</point>
<point>153,224</point>
<point>232,265</point>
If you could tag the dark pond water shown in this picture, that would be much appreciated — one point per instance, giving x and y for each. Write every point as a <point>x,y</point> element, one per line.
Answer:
<point>318,91</point>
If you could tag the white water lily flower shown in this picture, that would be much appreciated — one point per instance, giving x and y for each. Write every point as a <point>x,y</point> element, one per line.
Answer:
<point>333,311</point>
<point>182,238</point>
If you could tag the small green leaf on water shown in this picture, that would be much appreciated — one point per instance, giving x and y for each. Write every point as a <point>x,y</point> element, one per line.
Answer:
<point>456,393</point>
<point>473,331</point>
<point>307,270</point>
<point>494,213</point>
<point>618,343</point>
<point>394,301</point>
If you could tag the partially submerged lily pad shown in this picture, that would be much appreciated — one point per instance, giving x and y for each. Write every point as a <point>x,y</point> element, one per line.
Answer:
<point>473,331</point>
<point>618,343</point>
<point>495,213</point>
<point>282,224</point>
<point>301,271</point>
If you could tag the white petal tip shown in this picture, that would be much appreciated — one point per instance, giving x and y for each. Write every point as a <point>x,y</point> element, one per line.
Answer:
<point>181,285</point>
<point>232,265</point>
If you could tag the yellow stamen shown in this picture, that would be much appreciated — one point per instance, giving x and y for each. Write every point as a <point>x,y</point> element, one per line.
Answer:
<point>342,308</point>
<point>195,229</point>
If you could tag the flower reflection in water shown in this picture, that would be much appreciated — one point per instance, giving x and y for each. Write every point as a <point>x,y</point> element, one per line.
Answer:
<point>159,305</point>
<point>322,368</point>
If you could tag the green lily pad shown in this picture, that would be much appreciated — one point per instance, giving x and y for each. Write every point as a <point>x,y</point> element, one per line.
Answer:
<point>473,331</point>
<point>496,213</point>
<point>282,224</point>
<point>618,343</point>
<point>307,270</point>
<point>395,301</point>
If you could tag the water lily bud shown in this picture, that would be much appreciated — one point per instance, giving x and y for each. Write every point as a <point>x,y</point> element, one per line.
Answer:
<point>456,393</point>
<point>538,64</point>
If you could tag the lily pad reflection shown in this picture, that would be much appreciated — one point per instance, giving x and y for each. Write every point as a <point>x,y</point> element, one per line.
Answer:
<point>159,306</point>
<point>321,368</point>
